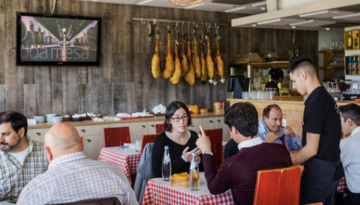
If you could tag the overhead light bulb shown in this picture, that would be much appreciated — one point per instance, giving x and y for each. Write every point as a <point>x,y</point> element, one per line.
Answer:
<point>235,9</point>
<point>144,2</point>
<point>328,29</point>
<point>314,13</point>
<point>259,4</point>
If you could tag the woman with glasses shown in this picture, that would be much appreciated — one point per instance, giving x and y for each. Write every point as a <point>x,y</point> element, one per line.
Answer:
<point>180,140</point>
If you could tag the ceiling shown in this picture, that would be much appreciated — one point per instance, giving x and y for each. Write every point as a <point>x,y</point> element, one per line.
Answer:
<point>209,5</point>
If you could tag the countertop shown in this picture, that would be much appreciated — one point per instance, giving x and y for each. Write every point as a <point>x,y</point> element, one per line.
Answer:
<point>146,119</point>
<point>285,100</point>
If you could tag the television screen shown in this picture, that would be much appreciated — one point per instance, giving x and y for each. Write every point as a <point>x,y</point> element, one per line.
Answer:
<point>44,39</point>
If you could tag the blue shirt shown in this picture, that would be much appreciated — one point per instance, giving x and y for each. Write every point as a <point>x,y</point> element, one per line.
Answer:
<point>350,159</point>
<point>291,144</point>
<point>73,177</point>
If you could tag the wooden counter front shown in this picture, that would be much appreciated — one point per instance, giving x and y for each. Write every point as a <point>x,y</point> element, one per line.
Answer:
<point>292,107</point>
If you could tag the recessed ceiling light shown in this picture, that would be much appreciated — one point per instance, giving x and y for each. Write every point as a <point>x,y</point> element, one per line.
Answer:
<point>259,4</point>
<point>144,2</point>
<point>293,26</point>
<point>270,21</point>
<point>235,9</point>
<point>346,16</point>
<point>314,13</point>
<point>254,25</point>
<point>263,8</point>
<point>328,29</point>
<point>194,6</point>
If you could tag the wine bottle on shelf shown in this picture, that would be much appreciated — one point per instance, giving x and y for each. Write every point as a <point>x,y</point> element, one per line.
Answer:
<point>350,41</point>
<point>356,41</point>
<point>354,66</point>
<point>349,66</point>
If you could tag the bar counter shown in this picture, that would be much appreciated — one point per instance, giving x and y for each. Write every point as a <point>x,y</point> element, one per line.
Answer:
<point>292,107</point>
<point>143,119</point>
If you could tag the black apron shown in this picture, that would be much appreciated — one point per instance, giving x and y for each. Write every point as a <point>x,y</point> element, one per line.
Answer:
<point>317,178</point>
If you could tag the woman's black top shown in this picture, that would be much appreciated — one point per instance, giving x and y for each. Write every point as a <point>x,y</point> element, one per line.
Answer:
<point>272,84</point>
<point>178,164</point>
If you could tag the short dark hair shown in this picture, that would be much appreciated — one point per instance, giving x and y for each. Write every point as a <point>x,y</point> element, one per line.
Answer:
<point>268,108</point>
<point>244,117</point>
<point>302,62</point>
<point>351,111</point>
<point>17,120</point>
<point>276,73</point>
<point>170,111</point>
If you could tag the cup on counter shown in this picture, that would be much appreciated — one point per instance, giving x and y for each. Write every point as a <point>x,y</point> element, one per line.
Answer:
<point>138,145</point>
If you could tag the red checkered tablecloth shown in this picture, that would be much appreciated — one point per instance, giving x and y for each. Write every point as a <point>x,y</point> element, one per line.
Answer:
<point>342,186</point>
<point>127,158</point>
<point>160,192</point>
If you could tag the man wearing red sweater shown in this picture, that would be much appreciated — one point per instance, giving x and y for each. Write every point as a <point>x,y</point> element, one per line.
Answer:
<point>238,172</point>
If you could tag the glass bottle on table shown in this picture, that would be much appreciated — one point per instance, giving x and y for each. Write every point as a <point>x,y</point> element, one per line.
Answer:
<point>166,165</point>
<point>194,174</point>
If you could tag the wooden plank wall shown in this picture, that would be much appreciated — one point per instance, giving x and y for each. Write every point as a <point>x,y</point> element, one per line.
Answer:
<point>123,82</point>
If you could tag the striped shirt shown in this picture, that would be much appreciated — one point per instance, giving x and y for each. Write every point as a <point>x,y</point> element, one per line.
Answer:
<point>14,176</point>
<point>73,177</point>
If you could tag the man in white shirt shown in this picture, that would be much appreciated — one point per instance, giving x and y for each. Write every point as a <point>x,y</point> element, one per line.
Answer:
<point>72,176</point>
<point>21,159</point>
<point>350,152</point>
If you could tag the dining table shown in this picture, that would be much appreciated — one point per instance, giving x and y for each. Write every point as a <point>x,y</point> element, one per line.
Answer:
<point>161,192</point>
<point>126,157</point>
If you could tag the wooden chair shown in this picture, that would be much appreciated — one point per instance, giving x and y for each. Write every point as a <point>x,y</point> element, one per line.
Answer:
<point>216,136</point>
<point>116,136</point>
<point>278,186</point>
<point>159,128</point>
<point>147,139</point>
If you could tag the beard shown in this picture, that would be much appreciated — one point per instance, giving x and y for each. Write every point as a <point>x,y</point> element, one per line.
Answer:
<point>10,147</point>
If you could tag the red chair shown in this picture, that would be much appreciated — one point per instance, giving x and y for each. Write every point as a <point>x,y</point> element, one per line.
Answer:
<point>147,139</point>
<point>159,128</point>
<point>116,136</point>
<point>216,136</point>
<point>318,203</point>
<point>278,186</point>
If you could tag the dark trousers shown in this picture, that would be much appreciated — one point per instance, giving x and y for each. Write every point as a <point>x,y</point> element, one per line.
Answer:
<point>353,199</point>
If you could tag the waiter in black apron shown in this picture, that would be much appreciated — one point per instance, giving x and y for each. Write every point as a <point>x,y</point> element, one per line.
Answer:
<point>321,136</point>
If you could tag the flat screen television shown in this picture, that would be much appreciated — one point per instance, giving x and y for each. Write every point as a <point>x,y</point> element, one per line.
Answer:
<point>44,39</point>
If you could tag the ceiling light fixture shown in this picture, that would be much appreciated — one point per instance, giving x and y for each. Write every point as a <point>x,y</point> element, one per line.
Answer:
<point>263,8</point>
<point>259,4</point>
<point>186,2</point>
<point>190,7</point>
<point>346,16</point>
<point>314,13</point>
<point>293,27</point>
<point>144,2</point>
<point>328,29</point>
<point>254,25</point>
<point>302,22</point>
<point>235,9</point>
<point>268,22</point>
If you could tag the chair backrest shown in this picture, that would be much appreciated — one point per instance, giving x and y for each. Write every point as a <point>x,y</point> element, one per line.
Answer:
<point>216,136</point>
<point>116,136</point>
<point>159,128</point>
<point>278,186</point>
<point>318,203</point>
<point>147,139</point>
<point>101,201</point>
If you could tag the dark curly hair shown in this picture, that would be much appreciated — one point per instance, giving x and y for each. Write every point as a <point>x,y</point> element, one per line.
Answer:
<point>244,117</point>
<point>16,119</point>
<point>276,73</point>
<point>170,110</point>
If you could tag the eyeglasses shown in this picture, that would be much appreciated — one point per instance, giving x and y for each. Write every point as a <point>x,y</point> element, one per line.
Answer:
<point>177,119</point>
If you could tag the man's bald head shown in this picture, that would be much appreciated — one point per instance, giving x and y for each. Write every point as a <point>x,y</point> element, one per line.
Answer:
<point>63,138</point>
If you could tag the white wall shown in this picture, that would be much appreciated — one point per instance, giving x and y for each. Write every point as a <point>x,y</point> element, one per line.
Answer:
<point>283,4</point>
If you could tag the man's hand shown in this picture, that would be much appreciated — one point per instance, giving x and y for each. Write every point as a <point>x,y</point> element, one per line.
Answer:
<point>187,154</point>
<point>271,137</point>
<point>290,132</point>
<point>203,142</point>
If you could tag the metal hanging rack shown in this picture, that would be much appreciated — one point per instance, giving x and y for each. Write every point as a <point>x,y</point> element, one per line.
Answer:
<point>154,20</point>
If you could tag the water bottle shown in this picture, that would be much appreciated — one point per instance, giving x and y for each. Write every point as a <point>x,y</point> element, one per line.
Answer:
<point>194,174</point>
<point>166,165</point>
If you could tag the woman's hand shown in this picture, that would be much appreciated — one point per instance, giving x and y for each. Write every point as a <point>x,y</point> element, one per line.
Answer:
<point>187,155</point>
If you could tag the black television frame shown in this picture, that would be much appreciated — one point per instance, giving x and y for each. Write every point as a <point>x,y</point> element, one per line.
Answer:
<point>19,62</point>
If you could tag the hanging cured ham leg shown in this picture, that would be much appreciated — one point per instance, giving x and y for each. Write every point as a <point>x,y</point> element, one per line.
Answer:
<point>218,60</point>
<point>155,62</point>
<point>190,75</point>
<point>196,59</point>
<point>178,70</point>
<point>210,66</point>
<point>169,61</point>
